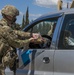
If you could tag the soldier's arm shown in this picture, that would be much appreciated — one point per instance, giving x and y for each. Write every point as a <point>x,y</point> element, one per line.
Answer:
<point>11,38</point>
<point>22,33</point>
<point>18,43</point>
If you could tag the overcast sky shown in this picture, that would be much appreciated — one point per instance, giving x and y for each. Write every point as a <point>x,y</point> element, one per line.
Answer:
<point>36,7</point>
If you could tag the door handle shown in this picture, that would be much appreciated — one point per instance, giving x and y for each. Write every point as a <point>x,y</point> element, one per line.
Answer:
<point>46,60</point>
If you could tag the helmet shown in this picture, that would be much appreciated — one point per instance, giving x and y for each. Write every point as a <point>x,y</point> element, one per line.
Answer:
<point>10,11</point>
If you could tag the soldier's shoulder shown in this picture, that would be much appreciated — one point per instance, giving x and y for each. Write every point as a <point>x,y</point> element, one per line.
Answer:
<point>3,22</point>
<point>7,29</point>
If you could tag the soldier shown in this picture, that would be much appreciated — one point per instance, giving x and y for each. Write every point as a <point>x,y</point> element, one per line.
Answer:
<point>10,37</point>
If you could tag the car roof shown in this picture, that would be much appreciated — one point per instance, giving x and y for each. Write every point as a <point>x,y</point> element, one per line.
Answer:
<point>57,13</point>
<point>65,11</point>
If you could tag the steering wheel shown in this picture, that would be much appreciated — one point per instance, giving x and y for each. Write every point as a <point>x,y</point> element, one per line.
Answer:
<point>45,44</point>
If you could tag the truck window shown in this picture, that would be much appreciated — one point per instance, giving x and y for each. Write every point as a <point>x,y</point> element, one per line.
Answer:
<point>67,33</point>
<point>46,29</point>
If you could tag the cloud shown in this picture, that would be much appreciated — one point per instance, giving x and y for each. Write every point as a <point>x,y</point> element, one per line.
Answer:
<point>35,15</point>
<point>50,3</point>
<point>46,3</point>
<point>21,13</point>
<point>30,15</point>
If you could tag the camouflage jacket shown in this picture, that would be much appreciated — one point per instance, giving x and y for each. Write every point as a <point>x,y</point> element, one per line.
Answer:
<point>11,38</point>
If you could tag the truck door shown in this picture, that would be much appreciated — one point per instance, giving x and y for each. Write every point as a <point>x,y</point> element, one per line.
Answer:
<point>38,62</point>
<point>64,53</point>
<point>41,62</point>
<point>41,57</point>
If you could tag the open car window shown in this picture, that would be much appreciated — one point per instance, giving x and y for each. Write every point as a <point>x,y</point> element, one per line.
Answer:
<point>45,28</point>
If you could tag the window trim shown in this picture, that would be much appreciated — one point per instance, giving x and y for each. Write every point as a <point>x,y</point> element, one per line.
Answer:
<point>67,18</point>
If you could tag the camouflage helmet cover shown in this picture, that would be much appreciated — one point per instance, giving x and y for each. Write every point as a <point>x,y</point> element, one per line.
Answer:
<point>10,11</point>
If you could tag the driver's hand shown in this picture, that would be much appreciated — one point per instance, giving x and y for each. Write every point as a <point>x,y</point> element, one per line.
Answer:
<point>37,38</point>
<point>35,35</point>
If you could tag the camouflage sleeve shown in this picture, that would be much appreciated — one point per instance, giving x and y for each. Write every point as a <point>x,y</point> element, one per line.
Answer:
<point>22,33</point>
<point>12,39</point>
<point>18,43</point>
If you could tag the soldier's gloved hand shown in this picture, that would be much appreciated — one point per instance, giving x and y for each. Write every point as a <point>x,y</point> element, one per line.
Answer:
<point>36,41</point>
<point>31,39</point>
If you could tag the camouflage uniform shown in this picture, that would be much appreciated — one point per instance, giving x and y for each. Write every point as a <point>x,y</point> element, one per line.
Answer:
<point>10,38</point>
